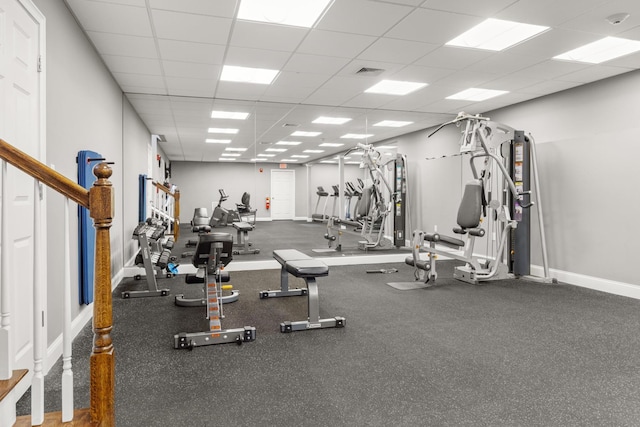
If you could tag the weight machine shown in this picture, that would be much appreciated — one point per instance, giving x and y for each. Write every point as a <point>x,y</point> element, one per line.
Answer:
<point>379,203</point>
<point>498,198</point>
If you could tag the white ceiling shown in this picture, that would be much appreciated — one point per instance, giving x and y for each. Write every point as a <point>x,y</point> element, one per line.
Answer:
<point>167,56</point>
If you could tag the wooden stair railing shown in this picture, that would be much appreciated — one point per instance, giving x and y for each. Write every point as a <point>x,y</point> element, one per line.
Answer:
<point>175,195</point>
<point>99,201</point>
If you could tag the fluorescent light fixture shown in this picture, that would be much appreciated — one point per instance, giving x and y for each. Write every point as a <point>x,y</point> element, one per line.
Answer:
<point>222,130</point>
<point>235,149</point>
<point>331,120</point>
<point>217,141</point>
<point>477,94</point>
<point>395,87</point>
<point>263,76</point>
<point>230,154</point>
<point>229,115</point>
<point>288,142</point>
<point>330,144</point>
<point>297,13</point>
<point>496,34</point>
<point>265,155</point>
<point>601,50</point>
<point>305,133</point>
<point>258,159</point>
<point>300,156</point>
<point>226,159</point>
<point>392,123</point>
<point>313,151</point>
<point>289,160</point>
<point>357,135</point>
<point>276,150</point>
<point>328,161</point>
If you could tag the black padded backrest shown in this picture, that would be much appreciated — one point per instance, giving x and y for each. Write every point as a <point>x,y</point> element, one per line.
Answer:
<point>246,198</point>
<point>321,191</point>
<point>365,202</point>
<point>470,208</point>
<point>205,249</point>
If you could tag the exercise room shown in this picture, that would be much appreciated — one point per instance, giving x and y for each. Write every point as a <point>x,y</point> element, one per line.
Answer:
<point>319,213</point>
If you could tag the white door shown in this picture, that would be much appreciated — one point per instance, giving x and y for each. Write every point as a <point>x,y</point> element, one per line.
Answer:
<point>20,125</point>
<point>283,194</point>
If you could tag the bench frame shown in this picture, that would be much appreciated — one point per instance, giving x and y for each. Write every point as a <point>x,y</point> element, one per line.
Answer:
<point>292,258</point>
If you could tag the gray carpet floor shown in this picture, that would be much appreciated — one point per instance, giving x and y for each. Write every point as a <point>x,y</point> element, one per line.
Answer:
<point>510,353</point>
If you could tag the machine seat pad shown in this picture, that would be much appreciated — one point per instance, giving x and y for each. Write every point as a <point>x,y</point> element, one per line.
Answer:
<point>441,238</point>
<point>307,268</point>
<point>284,256</point>
<point>243,226</point>
<point>421,264</point>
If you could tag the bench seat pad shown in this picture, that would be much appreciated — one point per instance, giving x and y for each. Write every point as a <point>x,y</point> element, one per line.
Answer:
<point>243,226</point>
<point>283,256</point>
<point>307,268</point>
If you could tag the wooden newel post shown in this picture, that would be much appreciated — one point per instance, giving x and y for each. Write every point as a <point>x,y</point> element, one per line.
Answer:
<point>101,208</point>
<point>176,215</point>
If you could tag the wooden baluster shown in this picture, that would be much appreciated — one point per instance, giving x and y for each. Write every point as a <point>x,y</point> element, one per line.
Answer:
<point>102,357</point>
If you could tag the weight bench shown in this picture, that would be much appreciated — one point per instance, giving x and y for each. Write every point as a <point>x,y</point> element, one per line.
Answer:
<point>300,265</point>
<point>243,229</point>
<point>212,254</point>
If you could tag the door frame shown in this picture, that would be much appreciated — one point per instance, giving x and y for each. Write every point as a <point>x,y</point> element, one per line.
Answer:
<point>292,174</point>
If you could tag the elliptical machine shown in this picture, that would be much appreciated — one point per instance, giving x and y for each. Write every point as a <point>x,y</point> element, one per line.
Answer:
<point>222,217</point>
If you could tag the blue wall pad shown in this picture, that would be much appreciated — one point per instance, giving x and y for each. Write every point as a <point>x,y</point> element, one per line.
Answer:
<point>86,233</point>
<point>142,198</point>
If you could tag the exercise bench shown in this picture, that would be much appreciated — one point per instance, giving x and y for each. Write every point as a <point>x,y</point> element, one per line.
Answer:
<point>243,229</point>
<point>300,265</point>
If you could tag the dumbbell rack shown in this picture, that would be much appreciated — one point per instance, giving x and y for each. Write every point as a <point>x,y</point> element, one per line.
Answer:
<point>146,234</point>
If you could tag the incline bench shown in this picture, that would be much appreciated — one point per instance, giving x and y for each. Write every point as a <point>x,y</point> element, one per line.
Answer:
<point>300,265</point>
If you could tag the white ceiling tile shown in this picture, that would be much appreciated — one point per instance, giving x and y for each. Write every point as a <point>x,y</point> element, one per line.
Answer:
<point>373,18</point>
<point>550,69</point>
<point>469,7</point>
<point>464,79</point>
<point>594,20</point>
<point>223,8</point>
<point>141,80</point>
<point>545,12</point>
<point>305,63</point>
<point>628,61</point>
<point>506,62</point>
<point>549,86</point>
<point>593,73</point>
<point>551,43</point>
<point>190,87</point>
<point>193,28</point>
<point>396,51</point>
<point>329,96</point>
<point>351,70</point>
<point>369,100</point>
<point>150,90</point>
<point>112,18</point>
<point>256,58</point>
<point>432,26</point>
<point>452,58</point>
<point>511,83</point>
<point>329,43</point>
<point>191,52</point>
<point>139,3</point>
<point>125,64</point>
<point>123,45</point>
<point>246,91</point>
<point>419,73</point>
<point>190,70</point>
<point>258,35</point>
<point>405,2</point>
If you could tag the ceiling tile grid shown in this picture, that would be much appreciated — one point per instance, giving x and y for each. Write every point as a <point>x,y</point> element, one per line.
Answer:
<point>167,56</point>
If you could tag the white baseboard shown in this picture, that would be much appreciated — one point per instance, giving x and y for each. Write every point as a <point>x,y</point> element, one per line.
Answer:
<point>595,283</point>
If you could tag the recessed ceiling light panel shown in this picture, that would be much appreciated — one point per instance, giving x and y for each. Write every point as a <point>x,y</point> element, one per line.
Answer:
<point>331,144</point>
<point>288,143</point>
<point>477,94</point>
<point>313,151</point>
<point>357,135</point>
<point>217,141</point>
<point>276,150</point>
<point>331,120</point>
<point>305,133</point>
<point>601,50</point>
<point>392,123</point>
<point>232,73</point>
<point>296,13</point>
<point>223,130</point>
<point>496,34</point>
<point>395,87</point>
<point>234,115</point>
<point>235,149</point>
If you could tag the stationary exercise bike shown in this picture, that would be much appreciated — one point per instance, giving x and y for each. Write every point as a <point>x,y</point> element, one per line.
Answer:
<point>222,217</point>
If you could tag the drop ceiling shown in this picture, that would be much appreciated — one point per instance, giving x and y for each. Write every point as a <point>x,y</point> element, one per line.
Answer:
<point>167,57</point>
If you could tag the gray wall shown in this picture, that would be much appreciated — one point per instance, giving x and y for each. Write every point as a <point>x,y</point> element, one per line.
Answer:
<point>85,111</point>
<point>587,140</point>
<point>199,182</point>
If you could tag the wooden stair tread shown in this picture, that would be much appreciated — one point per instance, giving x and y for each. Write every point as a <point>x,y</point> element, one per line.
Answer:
<point>7,385</point>
<point>81,417</point>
